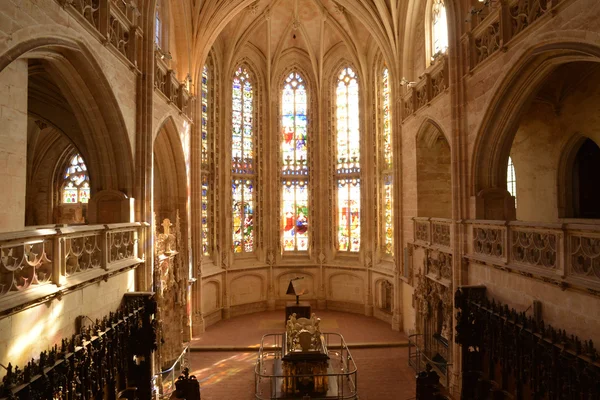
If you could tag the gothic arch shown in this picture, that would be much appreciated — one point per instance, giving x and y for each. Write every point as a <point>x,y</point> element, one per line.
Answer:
<point>511,95</point>
<point>434,175</point>
<point>170,174</point>
<point>105,145</point>
<point>564,176</point>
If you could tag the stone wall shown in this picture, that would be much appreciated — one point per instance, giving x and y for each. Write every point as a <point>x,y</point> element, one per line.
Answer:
<point>13,146</point>
<point>25,334</point>
<point>573,311</point>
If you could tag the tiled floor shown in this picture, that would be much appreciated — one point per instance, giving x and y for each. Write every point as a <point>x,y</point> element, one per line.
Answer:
<point>383,373</point>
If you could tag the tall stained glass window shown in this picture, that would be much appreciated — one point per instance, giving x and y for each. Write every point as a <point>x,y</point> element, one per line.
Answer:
<point>388,165</point>
<point>157,25</point>
<point>76,186</point>
<point>348,161</point>
<point>242,158</point>
<point>294,167</point>
<point>439,27</point>
<point>511,180</point>
<point>205,164</point>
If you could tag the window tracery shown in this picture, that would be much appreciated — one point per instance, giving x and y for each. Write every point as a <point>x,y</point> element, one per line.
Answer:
<point>348,161</point>
<point>242,151</point>
<point>387,168</point>
<point>294,167</point>
<point>76,182</point>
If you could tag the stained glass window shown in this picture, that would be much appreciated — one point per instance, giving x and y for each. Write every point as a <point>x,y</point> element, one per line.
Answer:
<point>157,25</point>
<point>387,168</point>
<point>205,164</point>
<point>348,161</point>
<point>242,158</point>
<point>439,25</point>
<point>386,117</point>
<point>76,187</point>
<point>294,169</point>
<point>511,180</point>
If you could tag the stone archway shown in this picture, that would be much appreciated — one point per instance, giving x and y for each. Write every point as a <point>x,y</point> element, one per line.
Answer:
<point>81,105</point>
<point>171,261</point>
<point>496,133</point>
<point>434,174</point>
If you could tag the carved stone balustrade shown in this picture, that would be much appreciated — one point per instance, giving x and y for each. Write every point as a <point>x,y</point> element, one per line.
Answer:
<point>113,22</point>
<point>422,230</point>
<point>431,84</point>
<point>433,232</point>
<point>583,254</point>
<point>564,254</point>
<point>174,92</point>
<point>35,262</point>
<point>441,232</point>
<point>495,25</point>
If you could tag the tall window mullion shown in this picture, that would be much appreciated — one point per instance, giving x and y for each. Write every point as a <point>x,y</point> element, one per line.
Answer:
<point>387,167</point>
<point>348,162</point>
<point>294,169</point>
<point>242,149</point>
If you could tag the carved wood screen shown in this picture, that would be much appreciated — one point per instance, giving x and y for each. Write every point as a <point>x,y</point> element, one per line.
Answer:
<point>103,360</point>
<point>508,355</point>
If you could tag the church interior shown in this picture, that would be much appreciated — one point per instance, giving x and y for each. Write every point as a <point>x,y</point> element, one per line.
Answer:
<point>427,169</point>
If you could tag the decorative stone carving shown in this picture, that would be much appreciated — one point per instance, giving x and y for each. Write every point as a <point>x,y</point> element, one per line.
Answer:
<point>438,265</point>
<point>422,231</point>
<point>440,233</point>
<point>538,249</point>
<point>488,42</point>
<point>25,264</point>
<point>488,241</point>
<point>585,256</point>
<point>524,13</point>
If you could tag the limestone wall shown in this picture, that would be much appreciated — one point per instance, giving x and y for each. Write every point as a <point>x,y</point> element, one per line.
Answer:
<point>13,145</point>
<point>25,334</point>
<point>574,311</point>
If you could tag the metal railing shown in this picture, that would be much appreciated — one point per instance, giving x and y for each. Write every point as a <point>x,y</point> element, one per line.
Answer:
<point>165,380</point>
<point>418,359</point>
<point>342,382</point>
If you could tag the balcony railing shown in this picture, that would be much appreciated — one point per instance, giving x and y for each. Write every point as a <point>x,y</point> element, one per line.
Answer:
<point>430,85</point>
<point>166,82</point>
<point>494,26</point>
<point>567,253</point>
<point>56,256</point>
<point>433,232</point>
<point>115,22</point>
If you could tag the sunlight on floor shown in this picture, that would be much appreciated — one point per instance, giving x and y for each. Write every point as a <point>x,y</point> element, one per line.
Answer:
<point>225,368</point>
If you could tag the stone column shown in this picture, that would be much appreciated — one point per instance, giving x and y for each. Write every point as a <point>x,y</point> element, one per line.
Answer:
<point>13,146</point>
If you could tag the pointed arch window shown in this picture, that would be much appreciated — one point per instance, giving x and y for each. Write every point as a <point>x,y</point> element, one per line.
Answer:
<point>511,180</point>
<point>242,157</point>
<point>348,161</point>
<point>294,166</point>
<point>205,165</point>
<point>439,27</point>
<point>388,165</point>
<point>76,182</point>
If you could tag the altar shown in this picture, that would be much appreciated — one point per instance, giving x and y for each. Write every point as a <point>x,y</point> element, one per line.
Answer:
<point>299,364</point>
